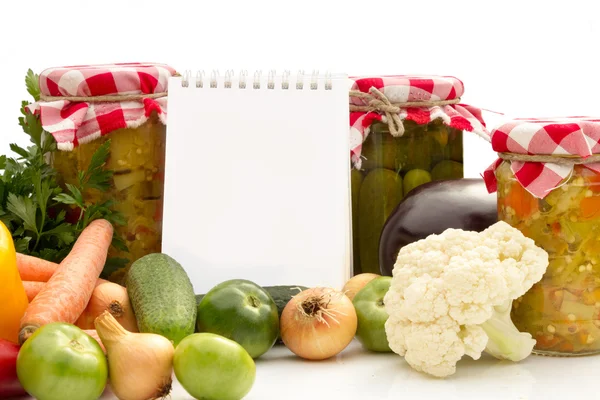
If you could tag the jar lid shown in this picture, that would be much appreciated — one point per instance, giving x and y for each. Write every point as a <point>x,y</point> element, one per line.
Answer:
<point>410,88</point>
<point>544,151</point>
<point>419,98</point>
<point>104,80</point>
<point>79,104</point>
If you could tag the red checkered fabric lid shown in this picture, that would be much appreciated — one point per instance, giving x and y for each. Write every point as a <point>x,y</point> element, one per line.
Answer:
<point>560,137</point>
<point>81,103</point>
<point>440,96</point>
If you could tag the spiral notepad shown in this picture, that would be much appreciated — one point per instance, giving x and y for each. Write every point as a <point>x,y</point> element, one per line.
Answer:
<point>257,178</point>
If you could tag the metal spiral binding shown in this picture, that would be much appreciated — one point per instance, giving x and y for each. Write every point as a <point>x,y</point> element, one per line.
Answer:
<point>285,80</point>
<point>300,80</point>
<point>186,78</point>
<point>213,78</point>
<point>256,83</point>
<point>228,77</point>
<point>314,80</point>
<point>200,79</point>
<point>271,79</point>
<point>243,76</point>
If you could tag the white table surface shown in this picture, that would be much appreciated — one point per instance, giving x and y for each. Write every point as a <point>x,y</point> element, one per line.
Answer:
<point>357,374</point>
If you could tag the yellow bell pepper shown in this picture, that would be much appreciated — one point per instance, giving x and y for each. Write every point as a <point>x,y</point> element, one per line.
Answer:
<point>12,292</point>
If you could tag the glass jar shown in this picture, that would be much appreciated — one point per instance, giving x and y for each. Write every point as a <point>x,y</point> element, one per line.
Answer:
<point>137,159</point>
<point>84,107</point>
<point>405,131</point>
<point>562,311</point>
<point>391,167</point>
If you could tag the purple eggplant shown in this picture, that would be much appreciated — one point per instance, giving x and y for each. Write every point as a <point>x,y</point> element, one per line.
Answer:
<point>431,209</point>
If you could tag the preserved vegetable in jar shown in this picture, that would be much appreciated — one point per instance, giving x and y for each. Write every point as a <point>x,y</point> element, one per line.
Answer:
<point>404,131</point>
<point>550,191</point>
<point>124,105</point>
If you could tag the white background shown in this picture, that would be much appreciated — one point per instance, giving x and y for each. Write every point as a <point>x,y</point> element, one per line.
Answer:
<point>521,58</point>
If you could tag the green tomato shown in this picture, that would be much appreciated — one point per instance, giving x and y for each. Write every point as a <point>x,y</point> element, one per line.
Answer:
<point>414,178</point>
<point>242,311</point>
<point>211,367</point>
<point>371,314</point>
<point>60,361</point>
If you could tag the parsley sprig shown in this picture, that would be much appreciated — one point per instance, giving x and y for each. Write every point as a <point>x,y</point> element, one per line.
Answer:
<point>32,203</point>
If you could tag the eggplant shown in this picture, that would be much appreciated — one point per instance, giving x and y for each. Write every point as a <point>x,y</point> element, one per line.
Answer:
<point>431,209</point>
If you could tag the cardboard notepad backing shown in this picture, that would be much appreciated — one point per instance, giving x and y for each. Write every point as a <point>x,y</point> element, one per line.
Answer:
<point>257,179</point>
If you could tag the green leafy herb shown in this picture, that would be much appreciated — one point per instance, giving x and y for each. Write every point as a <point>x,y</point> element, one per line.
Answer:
<point>35,207</point>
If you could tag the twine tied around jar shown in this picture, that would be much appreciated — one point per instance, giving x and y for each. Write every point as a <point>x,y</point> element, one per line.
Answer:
<point>552,159</point>
<point>378,102</point>
<point>104,99</point>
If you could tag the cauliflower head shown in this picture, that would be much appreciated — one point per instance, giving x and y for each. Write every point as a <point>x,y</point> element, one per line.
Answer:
<point>451,295</point>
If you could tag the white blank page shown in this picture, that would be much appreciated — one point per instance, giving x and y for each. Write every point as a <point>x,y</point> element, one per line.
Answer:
<point>257,183</point>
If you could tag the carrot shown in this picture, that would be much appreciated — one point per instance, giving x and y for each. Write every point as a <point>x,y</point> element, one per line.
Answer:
<point>94,334</point>
<point>68,291</point>
<point>35,269</point>
<point>590,207</point>
<point>111,297</point>
<point>592,179</point>
<point>521,201</point>
<point>34,288</point>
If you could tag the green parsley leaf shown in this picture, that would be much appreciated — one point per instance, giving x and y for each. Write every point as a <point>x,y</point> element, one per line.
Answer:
<point>32,83</point>
<point>99,157</point>
<point>23,208</point>
<point>22,244</point>
<point>64,198</point>
<point>76,194</point>
<point>63,232</point>
<point>19,150</point>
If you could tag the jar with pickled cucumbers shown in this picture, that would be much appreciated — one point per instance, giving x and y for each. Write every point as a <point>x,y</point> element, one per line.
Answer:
<point>404,131</point>
<point>548,183</point>
<point>83,107</point>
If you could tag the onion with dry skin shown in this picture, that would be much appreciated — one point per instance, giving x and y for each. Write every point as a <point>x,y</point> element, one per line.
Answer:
<point>111,297</point>
<point>356,283</point>
<point>318,323</point>
<point>140,365</point>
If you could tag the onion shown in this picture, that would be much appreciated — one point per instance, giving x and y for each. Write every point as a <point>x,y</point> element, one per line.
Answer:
<point>140,365</point>
<point>318,323</point>
<point>111,297</point>
<point>358,282</point>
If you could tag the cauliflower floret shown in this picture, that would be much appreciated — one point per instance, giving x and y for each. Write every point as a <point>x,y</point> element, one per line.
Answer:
<point>451,293</point>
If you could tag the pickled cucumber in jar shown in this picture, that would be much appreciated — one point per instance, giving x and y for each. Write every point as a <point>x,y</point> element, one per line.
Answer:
<point>391,168</point>
<point>381,191</point>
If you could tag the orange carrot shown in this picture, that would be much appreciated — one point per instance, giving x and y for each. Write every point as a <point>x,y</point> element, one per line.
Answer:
<point>590,207</point>
<point>521,201</point>
<point>68,291</point>
<point>94,334</point>
<point>34,288</point>
<point>35,269</point>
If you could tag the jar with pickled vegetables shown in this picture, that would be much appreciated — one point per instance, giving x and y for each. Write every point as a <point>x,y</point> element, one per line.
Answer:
<point>548,183</point>
<point>121,108</point>
<point>404,131</point>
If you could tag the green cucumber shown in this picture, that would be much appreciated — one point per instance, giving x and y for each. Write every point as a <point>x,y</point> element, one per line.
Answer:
<point>283,294</point>
<point>162,297</point>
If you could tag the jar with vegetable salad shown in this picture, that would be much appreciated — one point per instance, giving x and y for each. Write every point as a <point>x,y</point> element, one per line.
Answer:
<point>119,110</point>
<point>548,184</point>
<point>404,131</point>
